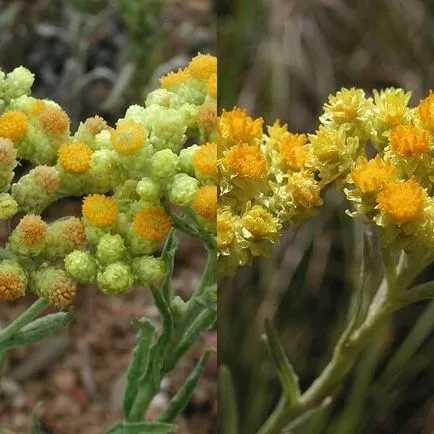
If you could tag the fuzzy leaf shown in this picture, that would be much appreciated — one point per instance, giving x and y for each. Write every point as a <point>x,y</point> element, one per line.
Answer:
<point>168,256</point>
<point>139,362</point>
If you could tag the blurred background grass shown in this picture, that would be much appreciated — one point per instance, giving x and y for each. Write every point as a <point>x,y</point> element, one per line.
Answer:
<point>281,58</point>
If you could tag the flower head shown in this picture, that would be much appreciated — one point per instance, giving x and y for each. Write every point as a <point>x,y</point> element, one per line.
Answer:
<point>152,223</point>
<point>32,230</point>
<point>174,78</point>
<point>13,125</point>
<point>8,152</point>
<point>408,140</point>
<point>13,281</point>
<point>48,177</point>
<point>260,223</point>
<point>246,161</point>
<point>293,150</point>
<point>75,157</point>
<point>205,159</point>
<point>203,66</point>
<point>205,202</point>
<point>425,110</point>
<point>100,210</point>
<point>95,125</point>
<point>54,121</point>
<point>128,137</point>
<point>370,176</point>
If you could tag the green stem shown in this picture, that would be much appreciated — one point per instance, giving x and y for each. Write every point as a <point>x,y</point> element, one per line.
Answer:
<point>28,315</point>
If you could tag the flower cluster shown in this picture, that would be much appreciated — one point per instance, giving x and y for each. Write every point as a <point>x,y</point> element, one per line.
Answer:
<point>153,171</point>
<point>378,148</point>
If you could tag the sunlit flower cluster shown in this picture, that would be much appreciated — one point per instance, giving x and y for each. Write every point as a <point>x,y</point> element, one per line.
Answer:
<point>154,170</point>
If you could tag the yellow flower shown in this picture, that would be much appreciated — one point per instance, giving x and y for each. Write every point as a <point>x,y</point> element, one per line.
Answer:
<point>75,157</point>
<point>212,85</point>
<point>391,105</point>
<point>205,202</point>
<point>205,160</point>
<point>246,161</point>
<point>31,230</point>
<point>425,110</point>
<point>370,176</point>
<point>38,107</point>
<point>128,137</point>
<point>225,229</point>
<point>203,66</point>
<point>304,189</point>
<point>100,210</point>
<point>402,201</point>
<point>54,121</point>
<point>237,126</point>
<point>173,78</point>
<point>408,140</point>
<point>13,125</point>
<point>152,223</point>
<point>292,148</point>
<point>260,223</point>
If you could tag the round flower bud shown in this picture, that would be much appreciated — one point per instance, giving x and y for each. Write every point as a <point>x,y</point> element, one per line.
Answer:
<point>8,154</point>
<point>54,285</point>
<point>116,279</point>
<point>152,223</point>
<point>18,82</point>
<point>183,189</point>
<point>148,190</point>
<point>54,121</point>
<point>111,248</point>
<point>103,140</point>
<point>137,245</point>
<point>99,210</point>
<point>148,270</point>
<point>163,98</point>
<point>29,237</point>
<point>81,266</point>
<point>164,163</point>
<point>205,202</point>
<point>8,206</point>
<point>186,159</point>
<point>13,281</point>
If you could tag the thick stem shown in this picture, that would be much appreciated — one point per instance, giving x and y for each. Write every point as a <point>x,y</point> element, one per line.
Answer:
<point>28,315</point>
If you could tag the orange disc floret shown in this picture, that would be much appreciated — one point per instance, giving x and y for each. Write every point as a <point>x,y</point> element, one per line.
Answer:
<point>13,125</point>
<point>174,78</point>
<point>48,177</point>
<point>8,152</point>
<point>408,140</point>
<point>205,159</point>
<point>205,202</point>
<point>212,85</point>
<point>95,124</point>
<point>152,223</point>
<point>203,66</point>
<point>402,201</point>
<point>73,232</point>
<point>237,126</point>
<point>101,211</point>
<point>246,161</point>
<point>370,176</point>
<point>54,121</point>
<point>62,292</point>
<point>32,230</point>
<point>12,284</point>
<point>425,110</point>
<point>38,107</point>
<point>128,137</point>
<point>207,116</point>
<point>292,148</point>
<point>75,157</point>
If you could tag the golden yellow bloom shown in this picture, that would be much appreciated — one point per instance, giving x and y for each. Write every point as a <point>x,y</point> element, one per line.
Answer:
<point>347,105</point>
<point>128,137</point>
<point>13,125</point>
<point>246,161</point>
<point>391,105</point>
<point>205,202</point>
<point>402,201</point>
<point>62,292</point>
<point>370,176</point>
<point>292,148</point>
<point>260,223</point>
<point>304,189</point>
<point>38,107</point>
<point>212,85</point>
<point>54,121</point>
<point>277,132</point>
<point>48,177</point>
<point>425,110</point>
<point>225,229</point>
<point>408,140</point>
<point>152,223</point>
<point>237,126</point>
<point>75,157</point>
<point>100,210</point>
<point>31,230</point>
<point>174,78</point>
<point>12,285</point>
<point>205,159</point>
<point>203,66</point>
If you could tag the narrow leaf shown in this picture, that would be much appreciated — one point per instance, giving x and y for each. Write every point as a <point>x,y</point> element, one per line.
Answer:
<point>168,256</point>
<point>181,399</point>
<point>139,362</point>
<point>228,414</point>
<point>35,426</point>
<point>287,376</point>
<point>38,329</point>
<point>142,428</point>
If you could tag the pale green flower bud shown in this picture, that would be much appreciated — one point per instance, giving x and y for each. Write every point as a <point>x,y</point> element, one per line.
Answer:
<point>93,233</point>
<point>148,190</point>
<point>186,159</point>
<point>182,189</point>
<point>116,279</point>
<point>18,83</point>
<point>164,163</point>
<point>136,113</point>
<point>148,270</point>
<point>111,248</point>
<point>81,266</point>
<point>37,146</point>
<point>103,140</point>
<point>54,285</point>
<point>163,98</point>
<point>138,245</point>
<point>189,114</point>
<point>8,206</point>
<point>103,172</point>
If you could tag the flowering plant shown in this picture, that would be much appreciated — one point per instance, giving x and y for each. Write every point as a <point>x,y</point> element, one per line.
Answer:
<point>377,150</point>
<point>143,182</point>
